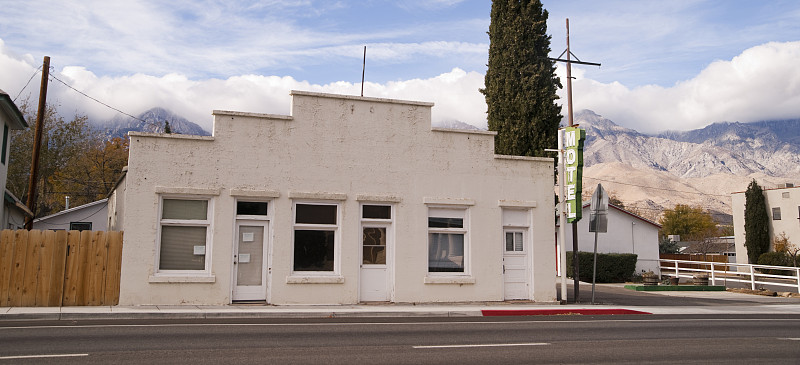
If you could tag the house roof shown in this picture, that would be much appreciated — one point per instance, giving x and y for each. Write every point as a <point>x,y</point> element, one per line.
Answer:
<point>10,111</point>
<point>80,207</point>
<point>587,204</point>
<point>11,199</point>
<point>718,246</point>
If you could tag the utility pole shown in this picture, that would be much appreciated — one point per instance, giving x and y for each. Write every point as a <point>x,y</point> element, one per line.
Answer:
<point>569,62</point>
<point>37,142</point>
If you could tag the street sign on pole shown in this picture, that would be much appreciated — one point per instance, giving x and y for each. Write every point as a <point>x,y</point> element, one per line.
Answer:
<point>598,222</point>
<point>598,214</point>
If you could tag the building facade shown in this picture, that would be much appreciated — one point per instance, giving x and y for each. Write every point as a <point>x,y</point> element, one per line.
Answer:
<point>347,200</point>
<point>783,209</point>
<point>10,119</point>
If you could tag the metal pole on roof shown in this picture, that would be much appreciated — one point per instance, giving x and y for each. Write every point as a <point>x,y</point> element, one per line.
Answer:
<point>363,68</point>
<point>37,143</point>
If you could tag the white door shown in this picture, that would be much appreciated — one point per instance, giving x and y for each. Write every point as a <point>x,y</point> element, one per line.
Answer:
<point>515,265</point>
<point>249,261</point>
<point>374,268</point>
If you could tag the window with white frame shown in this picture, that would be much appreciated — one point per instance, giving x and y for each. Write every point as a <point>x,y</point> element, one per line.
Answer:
<point>315,234</point>
<point>375,224</point>
<point>447,240</point>
<point>184,230</point>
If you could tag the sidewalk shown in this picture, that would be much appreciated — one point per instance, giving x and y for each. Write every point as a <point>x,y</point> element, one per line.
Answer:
<point>611,299</point>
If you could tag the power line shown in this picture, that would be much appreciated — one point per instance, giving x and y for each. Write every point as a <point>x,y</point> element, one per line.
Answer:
<point>27,83</point>
<point>98,101</point>
<point>651,187</point>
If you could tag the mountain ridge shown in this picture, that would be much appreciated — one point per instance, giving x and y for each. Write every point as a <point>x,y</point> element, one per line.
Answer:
<point>152,121</point>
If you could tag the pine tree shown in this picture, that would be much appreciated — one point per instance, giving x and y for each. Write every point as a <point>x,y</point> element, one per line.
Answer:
<point>756,222</point>
<point>520,82</point>
<point>167,129</point>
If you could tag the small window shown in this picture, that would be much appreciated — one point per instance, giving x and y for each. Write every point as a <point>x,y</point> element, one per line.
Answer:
<point>776,214</point>
<point>785,195</point>
<point>251,208</point>
<point>377,212</point>
<point>315,231</point>
<point>316,214</point>
<point>447,240</point>
<point>514,242</point>
<point>80,226</point>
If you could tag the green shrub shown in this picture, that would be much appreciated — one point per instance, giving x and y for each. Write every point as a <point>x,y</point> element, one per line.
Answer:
<point>611,267</point>
<point>775,259</point>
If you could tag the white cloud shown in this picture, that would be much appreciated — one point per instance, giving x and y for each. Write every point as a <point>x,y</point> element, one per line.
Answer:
<point>761,83</point>
<point>454,93</point>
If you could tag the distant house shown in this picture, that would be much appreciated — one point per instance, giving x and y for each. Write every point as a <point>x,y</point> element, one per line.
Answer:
<point>348,199</point>
<point>627,233</point>
<point>11,119</point>
<point>723,246</point>
<point>88,217</point>
<point>783,209</point>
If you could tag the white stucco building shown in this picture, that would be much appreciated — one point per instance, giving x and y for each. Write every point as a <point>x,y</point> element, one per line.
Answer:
<point>783,208</point>
<point>348,199</point>
<point>626,233</point>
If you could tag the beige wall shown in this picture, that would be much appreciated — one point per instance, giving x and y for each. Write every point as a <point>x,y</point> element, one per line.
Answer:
<point>787,199</point>
<point>346,150</point>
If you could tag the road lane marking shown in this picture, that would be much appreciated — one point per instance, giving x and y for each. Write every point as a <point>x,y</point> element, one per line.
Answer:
<point>39,356</point>
<point>481,345</point>
<point>694,320</point>
<point>790,339</point>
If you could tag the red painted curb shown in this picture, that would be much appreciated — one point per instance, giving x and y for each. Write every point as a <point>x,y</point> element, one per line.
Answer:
<point>552,312</point>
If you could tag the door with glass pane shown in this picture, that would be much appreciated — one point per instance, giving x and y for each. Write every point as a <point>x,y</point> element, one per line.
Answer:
<point>249,261</point>
<point>515,265</point>
<point>374,269</point>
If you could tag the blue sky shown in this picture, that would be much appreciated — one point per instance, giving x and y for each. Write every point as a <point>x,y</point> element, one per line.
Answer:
<point>666,64</point>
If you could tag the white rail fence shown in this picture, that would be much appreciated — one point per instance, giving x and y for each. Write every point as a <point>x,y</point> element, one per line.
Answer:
<point>720,273</point>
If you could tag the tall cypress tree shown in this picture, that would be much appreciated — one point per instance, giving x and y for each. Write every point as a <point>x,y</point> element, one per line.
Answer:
<point>756,222</point>
<point>521,82</point>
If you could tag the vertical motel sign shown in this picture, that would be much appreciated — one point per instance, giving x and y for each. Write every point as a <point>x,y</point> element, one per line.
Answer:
<point>573,161</point>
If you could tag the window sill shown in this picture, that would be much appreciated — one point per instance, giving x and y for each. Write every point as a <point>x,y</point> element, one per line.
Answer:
<point>460,280</point>
<point>333,279</point>
<point>182,279</point>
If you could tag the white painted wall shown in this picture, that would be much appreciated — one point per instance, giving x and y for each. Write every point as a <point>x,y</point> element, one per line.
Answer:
<point>116,204</point>
<point>626,234</point>
<point>347,150</point>
<point>787,199</point>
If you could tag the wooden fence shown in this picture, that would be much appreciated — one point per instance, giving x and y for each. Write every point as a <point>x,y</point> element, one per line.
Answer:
<point>59,268</point>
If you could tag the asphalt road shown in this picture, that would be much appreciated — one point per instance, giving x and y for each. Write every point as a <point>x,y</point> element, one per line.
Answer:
<point>618,295</point>
<point>510,340</point>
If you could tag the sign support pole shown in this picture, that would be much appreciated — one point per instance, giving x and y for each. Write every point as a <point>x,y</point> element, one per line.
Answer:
<point>569,62</point>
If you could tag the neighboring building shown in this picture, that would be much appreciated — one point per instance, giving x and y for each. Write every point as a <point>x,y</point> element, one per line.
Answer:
<point>783,208</point>
<point>715,246</point>
<point>626,233</point>
<point>14,212</point>
<point>88,217</point>
<point>349,199</point>
<point>11,119</point>
<point>116,203</point>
